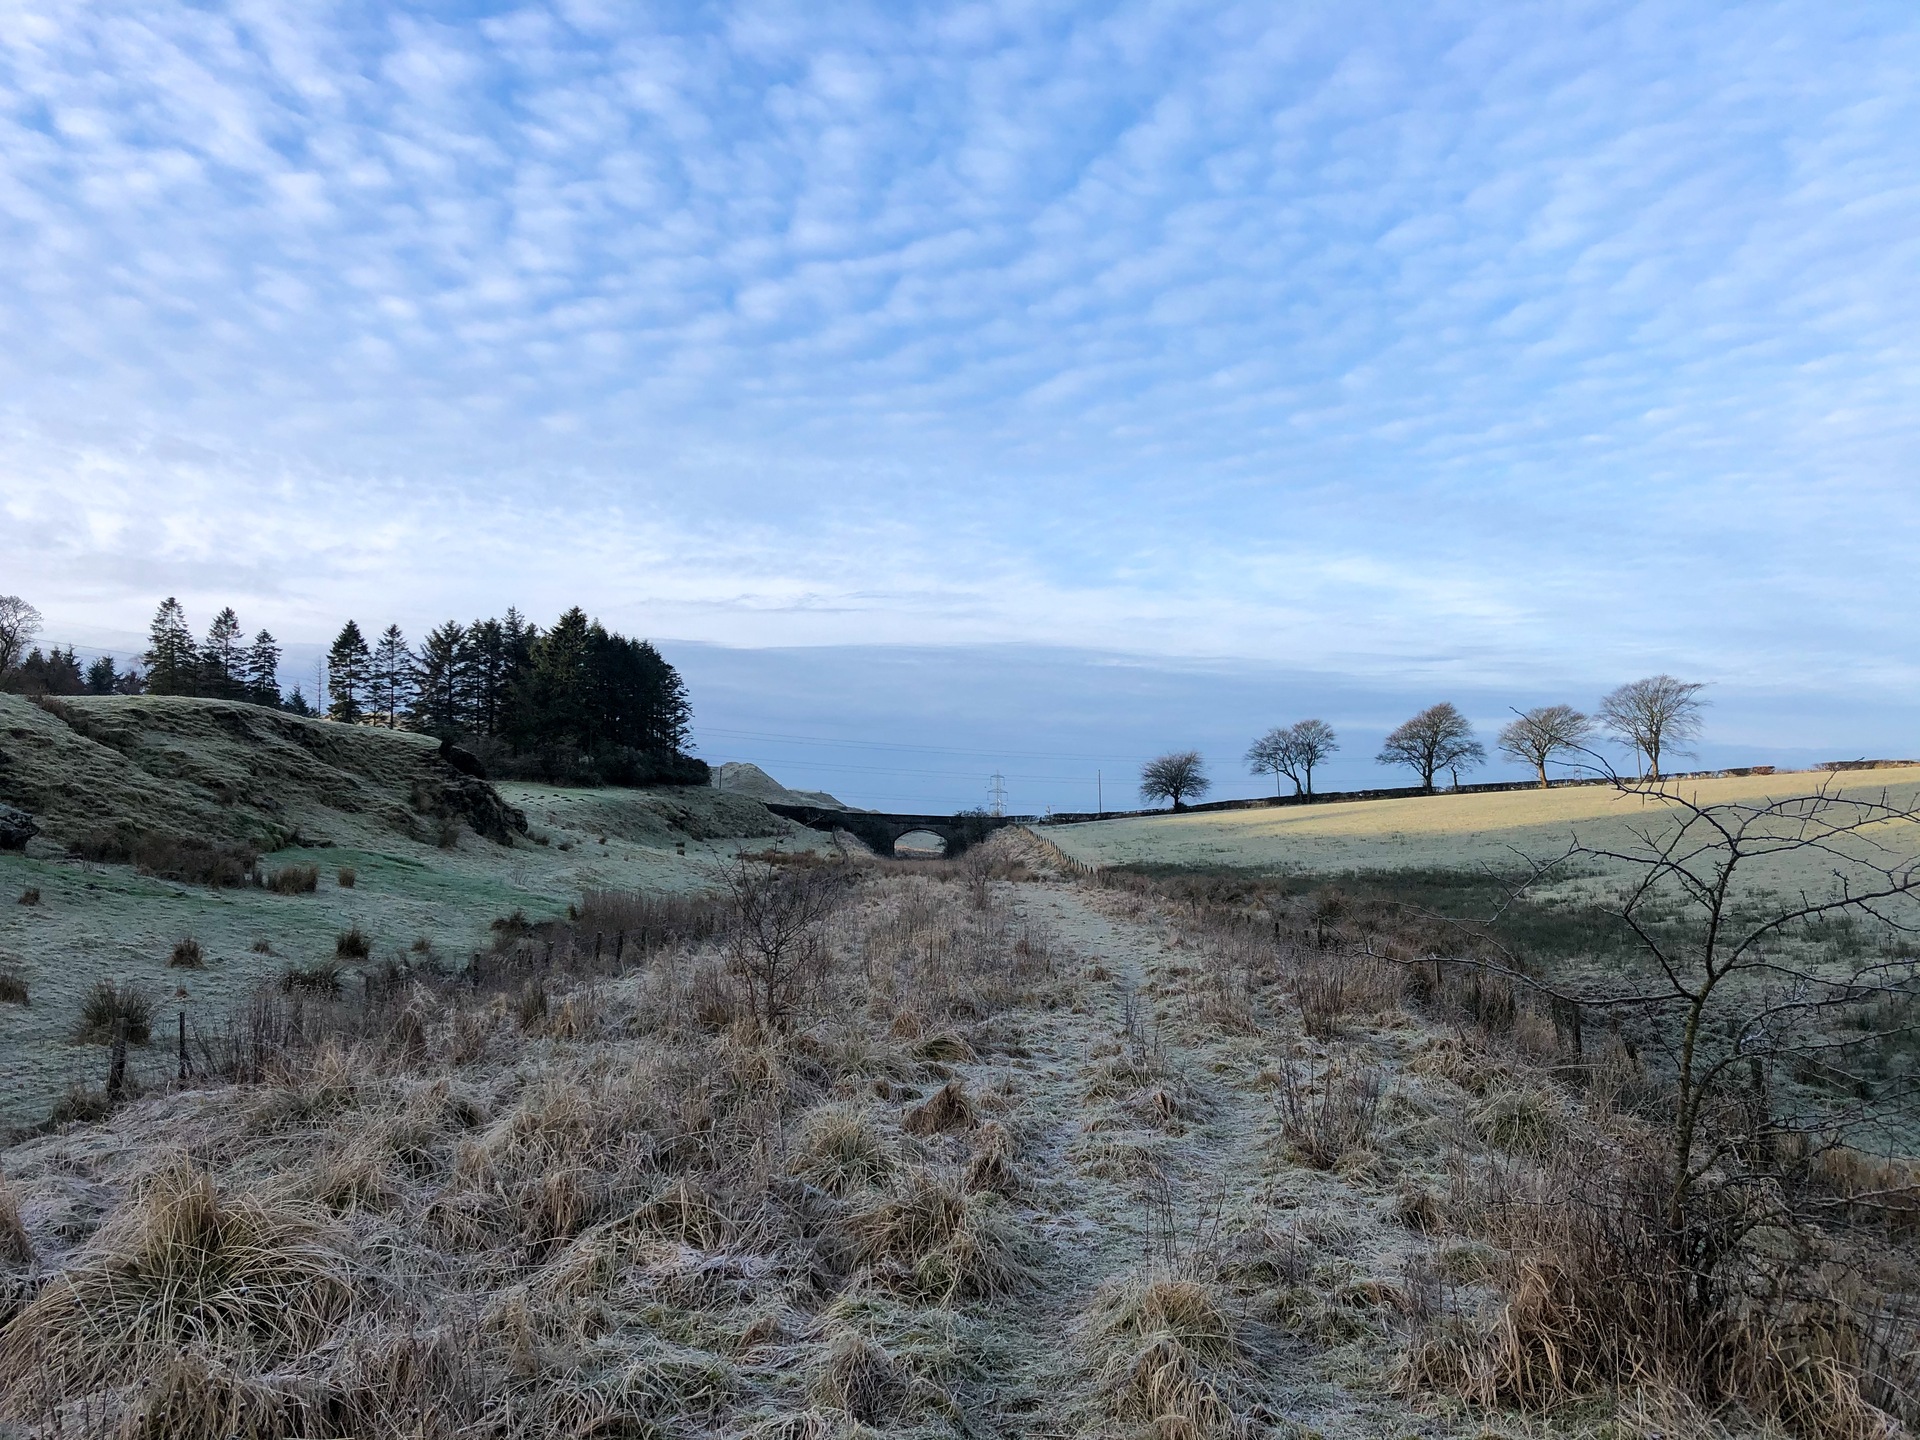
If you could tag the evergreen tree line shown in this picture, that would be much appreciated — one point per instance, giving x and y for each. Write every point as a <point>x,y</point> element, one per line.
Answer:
<point>573,702</point>
<point>576,702</point>
<point>225,666</point>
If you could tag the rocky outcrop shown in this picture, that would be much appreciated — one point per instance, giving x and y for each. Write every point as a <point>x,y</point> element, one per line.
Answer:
<point>16,828</point>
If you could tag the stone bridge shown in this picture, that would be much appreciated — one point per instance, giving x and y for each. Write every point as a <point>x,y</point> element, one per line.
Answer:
<point>881,831</point>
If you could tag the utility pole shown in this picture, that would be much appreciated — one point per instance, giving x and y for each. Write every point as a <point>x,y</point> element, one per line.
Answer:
<point>1099,793</point>
<point>998,790</point>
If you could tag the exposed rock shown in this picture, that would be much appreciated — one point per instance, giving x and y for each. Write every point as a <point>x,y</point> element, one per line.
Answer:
<point>17,827</point>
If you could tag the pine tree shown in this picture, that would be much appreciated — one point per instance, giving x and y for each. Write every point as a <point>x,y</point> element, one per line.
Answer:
<point>297,703</point>
<point>103,676</point>
<point>556,702</point>
<point>349,675</point>
<point>222,666</point>
<point>263,670</point>
<point>173,660</point>
<point>442,702</point>
<point>392,677</point>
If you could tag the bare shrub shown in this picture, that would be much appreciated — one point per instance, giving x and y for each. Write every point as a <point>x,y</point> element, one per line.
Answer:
<point>187,954</point>
<point>194,861</point>
<point>107,1007</point>
<point>637,924</point>
<point>1327,1121</point>
<point>775,940</point>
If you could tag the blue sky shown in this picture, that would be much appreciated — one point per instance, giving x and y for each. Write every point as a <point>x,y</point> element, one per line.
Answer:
<point>1286,354</point>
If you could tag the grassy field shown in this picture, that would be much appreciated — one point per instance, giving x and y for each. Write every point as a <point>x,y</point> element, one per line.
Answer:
<point>1440,832</point>
<point>425,885</point>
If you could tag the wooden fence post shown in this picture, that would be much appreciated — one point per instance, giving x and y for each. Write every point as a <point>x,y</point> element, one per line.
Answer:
<point>117,1066</point>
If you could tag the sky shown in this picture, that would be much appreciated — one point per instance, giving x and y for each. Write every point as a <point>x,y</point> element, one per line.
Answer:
<point>1041,380</point>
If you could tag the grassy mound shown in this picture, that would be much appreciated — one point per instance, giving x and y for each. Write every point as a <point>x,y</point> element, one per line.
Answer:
<point>159,779</point>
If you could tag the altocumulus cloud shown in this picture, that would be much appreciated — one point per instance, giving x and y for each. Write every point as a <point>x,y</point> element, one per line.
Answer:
<point>1496,341</point>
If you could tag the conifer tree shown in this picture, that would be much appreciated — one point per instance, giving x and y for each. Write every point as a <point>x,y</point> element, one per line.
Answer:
<point>263,670</point>
<point>392,678</point>
<point>297,702</point>
<point>222,664</point>
<point>349,667</point>
<point>442,702</point>
<point>173,660</point>
<point>103,676</point>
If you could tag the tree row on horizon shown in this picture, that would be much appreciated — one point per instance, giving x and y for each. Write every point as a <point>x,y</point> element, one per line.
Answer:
<point>1652,717</point>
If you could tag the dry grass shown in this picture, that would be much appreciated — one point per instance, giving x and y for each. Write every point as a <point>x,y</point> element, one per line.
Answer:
<point>1167,1357</point>
<point>30,895</point>
<point>843,1150</point>
<point>13,990</point>
<point>934,1240</point>
<point>15,1247</point>
<point>184,1268</point>
<point>1600,1294</point>
<point>291,880</point>
<point>187,954</point>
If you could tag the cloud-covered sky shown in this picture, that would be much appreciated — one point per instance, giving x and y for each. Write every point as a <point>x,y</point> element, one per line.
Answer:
<point>1497,346</point>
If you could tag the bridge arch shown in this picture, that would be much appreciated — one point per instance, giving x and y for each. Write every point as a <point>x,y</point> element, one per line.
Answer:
<point>921,845</point>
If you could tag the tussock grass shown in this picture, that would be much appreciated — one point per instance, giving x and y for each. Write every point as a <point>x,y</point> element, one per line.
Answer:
<point>948,1108</point>
<point>184,1267</point>
<point>187,954</point>
<point>352,944</point>
<point>346,877</point>
<point>13,990</point>
<point>934,1240</point>
<point>292,880</point>
<point>842,1149</point>
<point>106,1007</point>
<point>30,895</point>
<point>1167,1356</point>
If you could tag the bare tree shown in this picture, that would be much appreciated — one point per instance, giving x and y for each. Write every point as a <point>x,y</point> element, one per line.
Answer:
<point>1438,738</point>
<point>775,939</point>
<point>1176,777</point>
<point>19,628</point>
<point>1744,978</point>
<point>1544,732</point>
<point>1653,715</point>
<point>1293,751</point>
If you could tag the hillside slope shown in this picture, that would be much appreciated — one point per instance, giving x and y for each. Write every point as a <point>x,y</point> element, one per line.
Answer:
<point>99,773</point>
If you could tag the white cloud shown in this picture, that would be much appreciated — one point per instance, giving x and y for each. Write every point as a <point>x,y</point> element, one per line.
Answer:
<point>1491,335</point>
